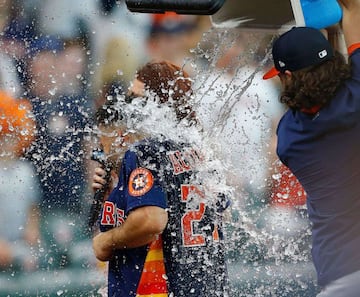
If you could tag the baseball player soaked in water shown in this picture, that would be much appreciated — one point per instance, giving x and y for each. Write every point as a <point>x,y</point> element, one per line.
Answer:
<point>160,232</point>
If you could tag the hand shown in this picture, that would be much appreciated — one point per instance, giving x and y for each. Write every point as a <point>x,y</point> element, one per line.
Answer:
<point>99,180</point>
<point>336,38</point>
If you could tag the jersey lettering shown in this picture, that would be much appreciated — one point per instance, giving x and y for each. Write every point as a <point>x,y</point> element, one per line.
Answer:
<point>193,216</point>
<point>108,215</point>
<point>120,216</point>
<point>111,215</point>
<point>175,163</point>
<point>184,164</point>
<point>193,157</point>
<point>184,161</point>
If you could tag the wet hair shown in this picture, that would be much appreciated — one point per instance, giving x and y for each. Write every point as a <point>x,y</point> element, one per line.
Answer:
<point>109,113</point>
<point>115,111</point>
<point>315,86</point>
<point>170,84</point>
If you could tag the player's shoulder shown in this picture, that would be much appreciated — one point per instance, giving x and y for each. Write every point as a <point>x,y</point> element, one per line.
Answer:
<point>153,146</point>
<point>150,150</point>
<point>144,147</point>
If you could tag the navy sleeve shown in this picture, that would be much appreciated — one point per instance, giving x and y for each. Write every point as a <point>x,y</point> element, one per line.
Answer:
<point>142,186</point>
<point>350,95</point>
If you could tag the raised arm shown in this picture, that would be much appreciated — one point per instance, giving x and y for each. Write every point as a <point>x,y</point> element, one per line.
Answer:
<point>351,21</point>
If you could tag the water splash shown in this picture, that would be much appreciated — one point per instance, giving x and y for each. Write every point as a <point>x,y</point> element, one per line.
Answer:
<point>233,102</point>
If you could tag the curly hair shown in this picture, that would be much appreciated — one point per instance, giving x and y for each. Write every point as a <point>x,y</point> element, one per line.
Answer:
<point>316,85</point>
<point>171,84</point>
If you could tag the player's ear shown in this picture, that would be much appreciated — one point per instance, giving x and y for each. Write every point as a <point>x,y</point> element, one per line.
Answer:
<point>288,73</point>
<point>285,77</point>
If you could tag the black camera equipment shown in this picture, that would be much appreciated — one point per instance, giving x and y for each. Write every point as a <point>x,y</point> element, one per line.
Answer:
<point>199,7</point>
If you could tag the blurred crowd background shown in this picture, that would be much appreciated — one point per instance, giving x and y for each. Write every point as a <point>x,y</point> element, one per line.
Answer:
<point>61,60</point>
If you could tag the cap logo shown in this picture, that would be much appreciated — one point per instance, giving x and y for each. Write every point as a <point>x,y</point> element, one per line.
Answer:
<point>281,64</point>
<point>323,54</point>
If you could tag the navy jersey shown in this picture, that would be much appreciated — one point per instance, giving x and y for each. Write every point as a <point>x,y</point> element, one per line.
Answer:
<point>58,153</point>
<point>322,151</point>
<point>164,174</point>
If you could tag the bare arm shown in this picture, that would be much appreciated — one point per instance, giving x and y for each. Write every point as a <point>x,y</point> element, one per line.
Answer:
<point>140,228</point>
<point>335,36</point>
<point>32,230</point>
<point>351,21</point>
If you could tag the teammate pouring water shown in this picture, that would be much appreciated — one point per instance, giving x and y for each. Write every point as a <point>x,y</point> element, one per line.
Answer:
<point>318,139</point>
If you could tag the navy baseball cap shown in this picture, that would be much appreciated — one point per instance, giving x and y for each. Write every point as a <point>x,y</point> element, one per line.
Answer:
<point>298,48</point>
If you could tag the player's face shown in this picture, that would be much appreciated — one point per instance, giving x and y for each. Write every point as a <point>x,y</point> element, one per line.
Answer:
<point>137,88</point>
<point>112,139</point>
<point>111,142</point>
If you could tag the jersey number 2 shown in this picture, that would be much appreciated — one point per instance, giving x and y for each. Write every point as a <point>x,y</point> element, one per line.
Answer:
<point>193,216</point>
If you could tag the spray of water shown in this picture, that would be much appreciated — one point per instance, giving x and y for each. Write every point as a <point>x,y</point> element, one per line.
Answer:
<point>240,101</point>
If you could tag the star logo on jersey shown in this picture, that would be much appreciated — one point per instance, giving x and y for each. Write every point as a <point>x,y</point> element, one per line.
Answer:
<point>140,182</point>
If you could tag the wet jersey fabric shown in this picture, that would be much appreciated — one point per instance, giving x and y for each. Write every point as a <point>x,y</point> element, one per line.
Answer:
<point>162,173</point>
<point>153,281</point>
<point>322,150</point>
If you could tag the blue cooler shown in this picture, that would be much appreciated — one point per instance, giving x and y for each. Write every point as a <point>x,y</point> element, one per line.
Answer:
<point>320,14</point>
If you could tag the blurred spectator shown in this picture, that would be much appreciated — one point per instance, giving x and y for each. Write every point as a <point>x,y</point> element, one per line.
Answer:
<point>19,190</point>
<point>172,36</point>
<point>58,78</point>
<point>119,22</point>
<point>55,72</point>
<point>12,48</point>
<point>118,38</point>
<point>71,70</point>
<point>103,25</point>
<point>116,71</point>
